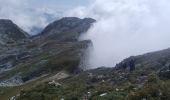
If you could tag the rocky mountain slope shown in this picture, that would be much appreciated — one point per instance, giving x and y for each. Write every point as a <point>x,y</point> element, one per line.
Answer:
<point>143,77</point>
<point>44,53</point>
<point>158,62</point>
<point>46,67</point>
<point>65,30</point>
<point>10,32</point>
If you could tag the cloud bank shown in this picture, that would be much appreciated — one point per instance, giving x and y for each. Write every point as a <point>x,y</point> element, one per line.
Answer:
<point>28,17</point>
<point>34,15</point>
<point>125,28</point>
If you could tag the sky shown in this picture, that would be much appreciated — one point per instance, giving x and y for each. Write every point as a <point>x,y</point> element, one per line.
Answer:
<point>58,4</point>
<point>36,14</point>
<point>124,27</point>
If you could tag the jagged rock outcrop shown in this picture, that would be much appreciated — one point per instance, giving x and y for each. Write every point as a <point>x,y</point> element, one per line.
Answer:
<point>128,63</point>
<point>151,62</point>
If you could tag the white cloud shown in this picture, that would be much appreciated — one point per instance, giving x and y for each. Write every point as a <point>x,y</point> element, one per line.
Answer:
<point>35,14</point>
<point>25,15</point>
<point>125,28</point>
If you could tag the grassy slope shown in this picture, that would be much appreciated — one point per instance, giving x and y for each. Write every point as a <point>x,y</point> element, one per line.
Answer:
<point>8,92</point>
<point>117,84</point>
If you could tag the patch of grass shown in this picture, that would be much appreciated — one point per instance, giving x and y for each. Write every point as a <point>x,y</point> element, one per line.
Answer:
<point>154,89</point>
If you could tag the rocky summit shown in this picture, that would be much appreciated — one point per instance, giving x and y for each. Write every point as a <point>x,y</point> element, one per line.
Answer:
<point>47,67</point>
<point>66,29</point>
<point>10,32</point>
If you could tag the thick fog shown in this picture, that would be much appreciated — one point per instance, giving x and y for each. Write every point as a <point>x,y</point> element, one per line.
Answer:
<point>125,28</point>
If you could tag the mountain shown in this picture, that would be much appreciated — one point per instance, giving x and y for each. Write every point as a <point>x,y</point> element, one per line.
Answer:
<point>66,29</point>
<point>49,52</point>
<point>47,67</point>
<point>158,62</point>
<point>143,77</point>
<point>10,32</point>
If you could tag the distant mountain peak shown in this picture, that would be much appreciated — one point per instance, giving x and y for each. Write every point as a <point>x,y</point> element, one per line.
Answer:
<point>10,32</point>
<point>66,23</point>
<point>68,27</point>
<point>7,21</point>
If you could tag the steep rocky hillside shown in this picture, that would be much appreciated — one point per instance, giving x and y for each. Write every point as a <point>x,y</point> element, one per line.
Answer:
<point>67,29</point>
<point>46,67</point>
<point>144,77</point>
<point>49,52</point>
<point>10,32</point>
<point>158,62</point>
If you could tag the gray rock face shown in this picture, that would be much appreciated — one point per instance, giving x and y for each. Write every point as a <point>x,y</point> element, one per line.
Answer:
<point>7,62</point>
<point>13,81</point>
<point>127,64</point>
<point>12,57</point>
<point>10,32</point>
